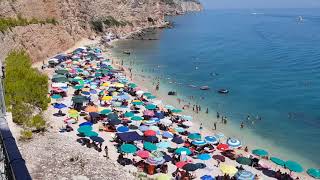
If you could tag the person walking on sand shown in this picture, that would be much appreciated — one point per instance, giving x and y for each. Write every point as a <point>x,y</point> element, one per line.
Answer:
<point>200,128</point>
<point>215,125</point>
<point>106,151</point>
<point>207,111</point>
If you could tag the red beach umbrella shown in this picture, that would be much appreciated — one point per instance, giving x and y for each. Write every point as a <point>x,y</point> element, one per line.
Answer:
<point>180,164</point>
<point>143,154</point>
<point>223,147</point>
<point>148,113</point>
<point>150,133</point>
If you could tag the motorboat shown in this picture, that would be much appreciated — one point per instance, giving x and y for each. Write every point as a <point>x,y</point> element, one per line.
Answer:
<point>204,88</point>
<point>223,91</point>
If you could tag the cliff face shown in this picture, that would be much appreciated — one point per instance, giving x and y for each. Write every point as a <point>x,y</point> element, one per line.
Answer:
<point>74,21</point>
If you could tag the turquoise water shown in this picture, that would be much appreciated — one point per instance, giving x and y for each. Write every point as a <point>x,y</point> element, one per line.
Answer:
<point>269,61</point>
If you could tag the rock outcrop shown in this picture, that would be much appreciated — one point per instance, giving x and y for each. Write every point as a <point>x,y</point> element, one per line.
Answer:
<point>74,21</point>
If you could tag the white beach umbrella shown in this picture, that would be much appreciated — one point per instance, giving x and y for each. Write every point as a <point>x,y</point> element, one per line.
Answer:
<point>59,85</point>
<point>187,123</point>
<point>166,122</point>
<point>234,143</point>
<point>139,93</point>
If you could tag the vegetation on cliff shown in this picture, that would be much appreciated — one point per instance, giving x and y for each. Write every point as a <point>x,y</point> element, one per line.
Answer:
<point>99,24</point>
<point>7,23</point>
<point>25,91</point>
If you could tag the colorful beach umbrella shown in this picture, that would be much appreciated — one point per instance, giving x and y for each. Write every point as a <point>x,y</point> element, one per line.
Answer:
<point>234,143</point>
<point>163,144</point>
<point>106,98</point>
<point>122,129</point>
<point>204,156</point>
<point>90,133</point>
<point>176,110</point>
<point>143,154</point>
<point>137,103</point>
<point>293,166</point>
<point>183,149</point>
<point>260,152</point>
<point>151,106</point>
<point>105,111</point>
<point>198,142</point>
<point>228,169</point>
<point>149,146</point>
<point>180,164</point>
<point>223,147</point>
<point>179,129</point>
<point>207,177</point>
<point>211,139</point>
<point>56,96</point>
<point>166,122</point>
<point>85,128</point>
<point>167,134</point>
<point>86,124</point>
<point>128,148</point>
<point>244,175</point>
<point>244,160</point>
<point>155,160</point>
<point>150,133</point>
<point>143,128</point>
<point>277,161</point>
<point>194,136</point>
<point>136,118</point>
<point>59,106</point>
<point>190,167</point>
<point>169,107</point>
<point>314,173</point>
<point>128,114</point>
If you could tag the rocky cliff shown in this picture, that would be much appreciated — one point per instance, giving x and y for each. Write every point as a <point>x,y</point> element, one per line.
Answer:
<point>75,19</point>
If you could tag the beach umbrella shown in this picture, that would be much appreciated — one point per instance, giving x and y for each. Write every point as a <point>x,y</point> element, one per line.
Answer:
<point>204,156</point>
<point>93,91</point>
<point>128,148</point>
<point>150,133</point>
<point>198,142</point>
<point>211,139</point>
<point>244,161</point>
<point>190,167</point>
<point>119,85</point>
<point>219,157</point>
<point>163,177</point>
<point>149,146</point>
<point>179,129</point>
<point>223,147</point>
<point>137,103</point>
<point>169,107</point>
<point>91,109</point>
<point>187,123</point>
<point>85,128</point>
<point>314,173</point>
<point>97,139</point>
<point>260,152</point>
<point>106,98</point>
<point>183,149</point>
<point>59,106</point>
<point>234,143</point>
<point>151,106</point>
<point>148,113</point>
<point>112,116</point>
<point>219,135</point>
<point>61,71</point>
<point>114,122</point>
<point>207,177</point>
<point>143,128</point>
<point>152,139</point>
<point>72,111</point>
<point>77,87</point>
<point>176,110</point>
<point>293,166</point>
<point>94,115</point>
<point>90,133</point>
<point>167,134</point>
<point>194,136</point>
<point>139,93</point>
<point>177,140</point>
<point>105,111</point>
<point>87,93</point>
<point>277,161</point>
<point>180,164</point>
<point>150,122</point>
<point>147,94</point>
<point>154,128</point>
<point>166,122</point>
<point>132,85</point>
<point>56,96</point>
<point>143,154</point>
<point>155,160</point>
<point>128,114</point>
<point>151,97</point>
<point>228,169</point>
<point>244,175</point>
<point>60,79</point>
<point>86,124</point>
<point>122,129</point>
<point>163,144</point>
<point>78,99</point>
<point>136,118</point>
<point>157,154</point>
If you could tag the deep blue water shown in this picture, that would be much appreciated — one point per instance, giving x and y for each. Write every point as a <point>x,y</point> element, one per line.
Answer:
<point>270,62</point>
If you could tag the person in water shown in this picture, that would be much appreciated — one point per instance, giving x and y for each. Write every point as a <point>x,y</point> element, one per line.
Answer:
<point>241,125</point>
<point>207,111</point>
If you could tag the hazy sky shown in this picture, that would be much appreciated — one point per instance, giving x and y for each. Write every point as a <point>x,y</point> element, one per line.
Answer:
<point>225,4</point>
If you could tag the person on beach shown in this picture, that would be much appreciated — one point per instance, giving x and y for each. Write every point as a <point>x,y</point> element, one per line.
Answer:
<point>106,151</point>
<point>207,111</point>
<point>218,115</point>
<point>193,108</point>
<point>200,128</point>
<point>215,125</point>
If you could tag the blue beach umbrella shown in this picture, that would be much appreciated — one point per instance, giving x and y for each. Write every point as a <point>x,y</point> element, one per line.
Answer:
<point>234,143</point>
<point>244,175</point>
<point>277,161</point>
<point>314,173</point>
<point>167,134</point>
<point>260,152</point>
<point>211,139</point>
<point>207,177</point>
<point>198,142</point>
<point>97,139</point>
<point>59,106</point>
<point>194,136</point>
<point>204,156</point>
<point>163,145</point>
<point>86,93</point>
<point>143,128</point>
<point>183,149</point>
<point>93,91</point>
<point>90,133</point>
<point>293,166</point>
<point>122,129</point>
<point>177,140</point>
<point>86,124</point>
<point>179,129</point>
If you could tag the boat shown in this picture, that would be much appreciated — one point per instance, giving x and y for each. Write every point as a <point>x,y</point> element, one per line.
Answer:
<point>204,88</point>
<point>300,19</point>
<point>172,93</point>
<point>127,52</point>
<point>223,91</point>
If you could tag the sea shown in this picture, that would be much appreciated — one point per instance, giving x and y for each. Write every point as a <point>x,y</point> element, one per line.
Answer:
<point>268,59</point>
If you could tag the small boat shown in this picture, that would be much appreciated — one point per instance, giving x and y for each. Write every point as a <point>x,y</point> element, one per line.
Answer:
<point>223,91</point>
<point>204,88</point>
<point>127,52</point>
<point>172,93</point>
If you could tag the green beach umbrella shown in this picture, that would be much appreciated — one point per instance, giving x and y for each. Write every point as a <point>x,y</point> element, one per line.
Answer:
<point>98,74</point>
<point>244,161</point>
<point>136,118</point>
<point>293,166</point>
<point>147,94</point>
<point>62,71</point>
<point>77,87</point>
<point>78,99</point>
<point>277,161</point>
<point>151,106</point>
<point>314,173</point>
<point>56,96</point>
<point>260,152</point>
<point>83,129</point>
<point>181,149</point>
<point>194,136</point>
<point>105,111</point>
<point>176,110</point>
<point>149,146</point>
<point>74,115</point>
<point>81,82</point>
<point>137,103</point>
<point>151,97</point>
<point>128,114</point>
<point>169,107</point>
<point>90,133</point>
<point>128,148</point>
<point>132,85</point>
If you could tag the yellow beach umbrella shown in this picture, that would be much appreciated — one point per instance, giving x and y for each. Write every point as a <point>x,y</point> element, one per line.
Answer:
<point>119,85</point>
<point>115,93</point>
<point>163,177</point>
<point>228,169</point>
<point>106,98</point>
<point>106,84</point>
<point>72,111</point>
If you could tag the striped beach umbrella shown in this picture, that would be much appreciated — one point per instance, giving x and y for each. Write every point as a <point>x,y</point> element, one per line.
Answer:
<point>155,160</point>
<point>211,139</point>
<point>234,143</point>
<point>199,142</point>
<point>244,175</point>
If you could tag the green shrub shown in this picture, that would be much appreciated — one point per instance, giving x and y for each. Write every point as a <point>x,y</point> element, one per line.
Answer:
<point>37,122</point>
<point>109,21</point>
<point>25,134</point>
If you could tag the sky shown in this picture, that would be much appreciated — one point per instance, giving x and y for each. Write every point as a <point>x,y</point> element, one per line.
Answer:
<point>231,4</point>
